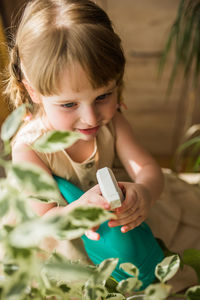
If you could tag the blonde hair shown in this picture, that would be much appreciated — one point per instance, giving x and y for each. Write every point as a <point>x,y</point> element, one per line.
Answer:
<point>53,34</point>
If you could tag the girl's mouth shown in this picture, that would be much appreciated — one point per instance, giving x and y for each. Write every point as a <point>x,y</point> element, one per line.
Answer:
<point>89,131</point>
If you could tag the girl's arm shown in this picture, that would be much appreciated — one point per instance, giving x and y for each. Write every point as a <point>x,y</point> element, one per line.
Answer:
<point>23,153</point>
<point>147,177</point>
<point>140,165</point>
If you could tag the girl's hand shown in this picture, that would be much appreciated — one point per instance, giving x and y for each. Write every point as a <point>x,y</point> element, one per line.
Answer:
<point>93,197</point>
<point>135,206</point>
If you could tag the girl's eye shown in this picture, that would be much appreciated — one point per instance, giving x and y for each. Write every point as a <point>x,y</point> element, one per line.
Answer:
<point>103,97</point>
<point>69,105</point>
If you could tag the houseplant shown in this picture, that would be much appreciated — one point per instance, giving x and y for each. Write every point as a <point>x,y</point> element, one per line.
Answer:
<point>27,271</point>
<point>184,42</point>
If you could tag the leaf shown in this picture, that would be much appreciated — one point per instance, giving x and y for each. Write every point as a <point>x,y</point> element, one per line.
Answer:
<point>56,140</point>
<point>16,288</point>
<point>158,291</point>
<point>34,180</point>
<point>5,205</point>
<point>9,268</point>
<point>67,272</point>
<point>115,296</point>
<point>130,269</point>
<point>193,293</point>
<point>12,123</point>
<point>94,292</point>
<point>167,268</point>
<point>129,285</point>
<point>81,219</point>
<point>191,257</point>
<point>105,269</point>
<point>89,216</point>
<point>29,234</point>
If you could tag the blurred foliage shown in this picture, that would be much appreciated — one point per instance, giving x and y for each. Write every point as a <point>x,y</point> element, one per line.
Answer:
<point>28,272</point>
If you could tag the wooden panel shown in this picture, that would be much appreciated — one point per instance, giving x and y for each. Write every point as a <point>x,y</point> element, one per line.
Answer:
<point>143,26</point>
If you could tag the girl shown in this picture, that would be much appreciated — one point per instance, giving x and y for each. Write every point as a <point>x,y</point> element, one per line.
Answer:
<point>67,64</point>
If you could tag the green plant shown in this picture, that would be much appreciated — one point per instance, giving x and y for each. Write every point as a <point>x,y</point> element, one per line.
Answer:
<point>184,38</point>
<point>27,271</point>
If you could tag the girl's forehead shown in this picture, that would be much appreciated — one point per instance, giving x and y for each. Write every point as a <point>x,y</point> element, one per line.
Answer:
<point>74,79</point>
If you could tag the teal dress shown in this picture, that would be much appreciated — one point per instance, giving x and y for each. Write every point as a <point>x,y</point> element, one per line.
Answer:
<point>138,246</point>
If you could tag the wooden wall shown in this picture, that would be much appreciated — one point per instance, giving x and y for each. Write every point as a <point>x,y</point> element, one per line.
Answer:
<point>143,26</point>
<point>159,122</point>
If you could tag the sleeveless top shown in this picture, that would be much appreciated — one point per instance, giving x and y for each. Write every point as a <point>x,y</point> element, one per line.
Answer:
<point>83,174</point>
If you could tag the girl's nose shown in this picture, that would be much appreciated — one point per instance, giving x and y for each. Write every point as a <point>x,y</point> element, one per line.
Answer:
<point>89,116</point>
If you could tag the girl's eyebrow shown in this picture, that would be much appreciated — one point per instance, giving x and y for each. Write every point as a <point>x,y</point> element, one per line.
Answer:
<point>108,90</point>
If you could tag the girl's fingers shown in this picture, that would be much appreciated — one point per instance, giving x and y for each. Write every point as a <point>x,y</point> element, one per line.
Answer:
<point>131,201</point>
<point>92,235</point>
<point>125,219</point>
<point>99,201</point>
<point>132,225</point>
<point>94,199</point>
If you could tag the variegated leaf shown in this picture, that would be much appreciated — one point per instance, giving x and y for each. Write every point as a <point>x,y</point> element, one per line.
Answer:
<point>158,291</point>
<point>115,296</point>
<point>12,123</point>
<point>56,140</point>
<point>193,293</point>
<point>67,272</point>
<point>81,219</point>
<point>130,269</point>
<point>167,268</point>
<point>105,269</point>
<point>30,233</point>
<point>96,292</point>
<point>129,285</point>
<point>34,181</point>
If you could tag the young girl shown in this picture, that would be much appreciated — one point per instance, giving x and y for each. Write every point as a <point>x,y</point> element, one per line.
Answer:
<point>67,64</point>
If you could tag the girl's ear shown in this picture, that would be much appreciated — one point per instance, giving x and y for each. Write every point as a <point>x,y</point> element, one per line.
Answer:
<point>32,93</point>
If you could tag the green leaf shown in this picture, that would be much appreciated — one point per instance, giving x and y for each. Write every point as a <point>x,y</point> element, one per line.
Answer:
<point>193,293</point>
<point>191,257</point>
<point>130,269</point>
<point>158,291</point>
<point>29,234</point>
<point>16,288</point>
<point>9,268</point>
<point>12,123</point>
<point>56,140</point>
<point>167,268</point>
<point>67,272</point>
<point>74,225</point>
<point>111,284</point>
<point>5,205</point>
<point>23,209</point>
<point>115,296</point>
<point>81,219</point>
<point>34,180</point>
<point>94,292</point>
<point>105,269</point>
<point>129,285</point>
<point>89,216</point>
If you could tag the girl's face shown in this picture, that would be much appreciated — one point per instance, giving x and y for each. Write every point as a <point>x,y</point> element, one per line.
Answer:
<point>78,107</point>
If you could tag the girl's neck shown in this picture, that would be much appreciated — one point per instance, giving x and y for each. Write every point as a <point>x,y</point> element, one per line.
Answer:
<point>81,150</point>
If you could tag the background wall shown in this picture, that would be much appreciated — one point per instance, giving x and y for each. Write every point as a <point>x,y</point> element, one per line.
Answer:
<point>143,25</point>
<point>159,122</point>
